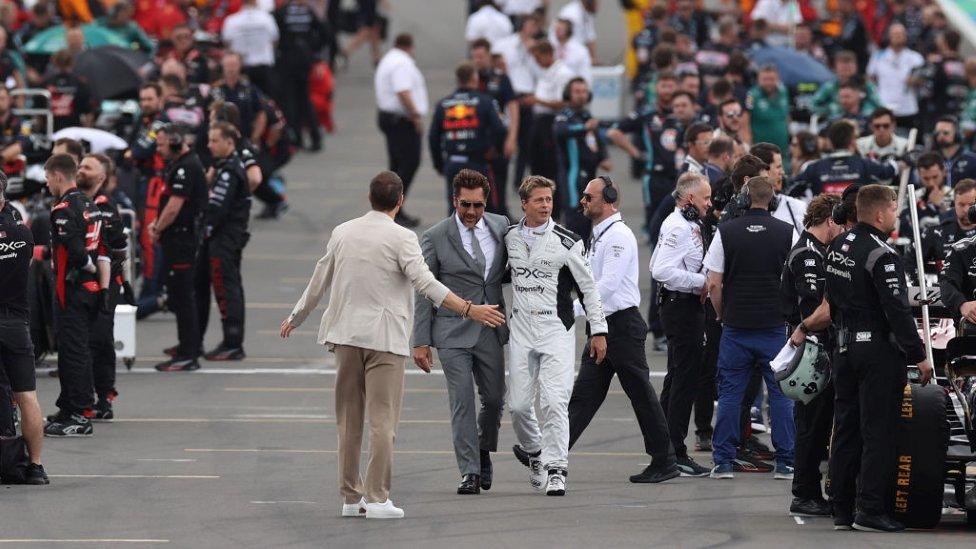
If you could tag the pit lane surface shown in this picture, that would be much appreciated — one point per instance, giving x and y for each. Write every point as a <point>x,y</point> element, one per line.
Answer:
<point>243,454</point>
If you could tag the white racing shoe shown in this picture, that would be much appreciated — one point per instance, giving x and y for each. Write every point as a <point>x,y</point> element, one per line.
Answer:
<point>556,484</point>
<point>537,475</point>
<point>357,509</point>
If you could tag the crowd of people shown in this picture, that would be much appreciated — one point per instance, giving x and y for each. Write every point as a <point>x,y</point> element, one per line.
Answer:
<point>768,205</point>
<point>147,185</point>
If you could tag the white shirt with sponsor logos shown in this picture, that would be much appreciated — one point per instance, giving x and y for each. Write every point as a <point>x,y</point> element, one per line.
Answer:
<point>485,239</point>
<point>487,23</point>
<point>612,253</point>
<point>677,259</point>
<point>397,72</point>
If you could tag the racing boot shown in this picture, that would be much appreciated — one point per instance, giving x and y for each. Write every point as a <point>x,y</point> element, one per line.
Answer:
<point>537,475</point>
<point>102,411</point>
<point>809,508</point>
<point>876,523</point>
<point>183,364</point>
<point>556,483</point>
<point>223,353</point>
<point>69,425</point>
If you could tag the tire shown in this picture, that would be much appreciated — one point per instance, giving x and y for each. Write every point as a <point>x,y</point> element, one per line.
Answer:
<point>922,441</point>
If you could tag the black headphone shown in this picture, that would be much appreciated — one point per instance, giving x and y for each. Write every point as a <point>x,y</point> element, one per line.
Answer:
<point>689,211</point>
<point>844,210</point>
<point>175,134</point>
<point>957,134</point>
<point>569,85</point>
<point>610,195</point>
<point>744,202</point>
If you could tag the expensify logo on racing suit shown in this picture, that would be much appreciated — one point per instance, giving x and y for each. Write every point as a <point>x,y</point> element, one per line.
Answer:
<point>529,289</point>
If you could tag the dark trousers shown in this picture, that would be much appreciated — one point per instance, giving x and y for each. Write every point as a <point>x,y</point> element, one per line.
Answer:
<point>219,267</point>
<point>498,177</point>
<point>625,358</point>
<point>684,324</point>
<point>869,379</point>
<point>522,160</point>
<point>403,145</point>
<point>181,257</point>
<point>707,391</point>
<point>103,348</point>
<point>451,169</point>
<point>543,156</point>
<point>72,324</point>
<point>296,103</point>
<point>263,77</point>
<point>814,422</point>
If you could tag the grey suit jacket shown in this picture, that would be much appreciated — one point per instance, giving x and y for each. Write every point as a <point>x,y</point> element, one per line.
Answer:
<point>455,268</point>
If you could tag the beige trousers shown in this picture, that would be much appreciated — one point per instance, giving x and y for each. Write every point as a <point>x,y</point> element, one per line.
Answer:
<point>368,383</point>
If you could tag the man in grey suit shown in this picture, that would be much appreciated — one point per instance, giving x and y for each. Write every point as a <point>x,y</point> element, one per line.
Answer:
<point>466,253</point>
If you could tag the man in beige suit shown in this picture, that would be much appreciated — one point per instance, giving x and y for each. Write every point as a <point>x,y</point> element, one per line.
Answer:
<point>372,267</point>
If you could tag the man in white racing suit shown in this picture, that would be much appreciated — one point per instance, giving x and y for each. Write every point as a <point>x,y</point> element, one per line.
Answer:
<point>547,265</point>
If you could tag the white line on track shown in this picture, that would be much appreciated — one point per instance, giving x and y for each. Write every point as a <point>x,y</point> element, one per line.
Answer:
<point>96,540</point>
<point>799,521</point>
<point>284,502</point>
<point>289,371</point>
<point>173,460</point>
<point>407,452</point>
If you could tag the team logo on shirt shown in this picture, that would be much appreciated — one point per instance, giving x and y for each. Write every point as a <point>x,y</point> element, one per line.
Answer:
<point>669,139</point>
<point>461,116</point>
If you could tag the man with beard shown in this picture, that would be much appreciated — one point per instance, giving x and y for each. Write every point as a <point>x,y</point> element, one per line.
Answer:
<point>959,163</point>
<point>178,232</point>
<point>93,173</point>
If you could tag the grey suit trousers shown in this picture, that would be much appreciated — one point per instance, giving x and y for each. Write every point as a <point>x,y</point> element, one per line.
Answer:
<point>482,365</point>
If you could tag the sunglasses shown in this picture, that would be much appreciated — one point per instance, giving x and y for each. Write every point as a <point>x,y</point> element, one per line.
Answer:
<point>468,205</point>
<point>586,197</point>
<point>881,126</point>
<point>732,114</point>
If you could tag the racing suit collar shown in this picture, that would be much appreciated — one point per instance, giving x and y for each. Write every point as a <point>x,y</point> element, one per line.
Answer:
<point>840,154</point>
<point>873,230</point>
<point>540,230</point>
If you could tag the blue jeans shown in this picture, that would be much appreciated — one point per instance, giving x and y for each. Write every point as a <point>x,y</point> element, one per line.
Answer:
<point>739,352</point>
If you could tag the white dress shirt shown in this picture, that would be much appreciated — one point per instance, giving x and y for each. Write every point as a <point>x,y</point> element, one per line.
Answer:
<point>576,57</point>
<point>677,259</point>
<point>777,12</point>
<point>521,67</point>
<point>791,210</point>
<point>252,33</point>
<point>584,23</point>
<point>551,85</point>
<point>487,23</point>
<point>891,70</point>
<point>485,239</point>
<point>518,7</point>
<point>612,254</point>
<point>397,72</point>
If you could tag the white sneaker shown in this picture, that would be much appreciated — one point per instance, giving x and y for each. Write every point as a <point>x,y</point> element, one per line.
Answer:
<point>385,510</point>
<point>357,509</point>
<point>556,484</point>
<point>537,476</point>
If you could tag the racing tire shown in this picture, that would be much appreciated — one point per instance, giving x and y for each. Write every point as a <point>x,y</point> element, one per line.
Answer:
<point>922,441</point>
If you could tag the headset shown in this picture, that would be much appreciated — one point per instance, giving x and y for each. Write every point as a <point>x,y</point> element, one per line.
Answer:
<point>175,134</point>
<point>569,85</point>
<point>610,195</point>
<point>845,209</point>
<point>689,211</point>
<point>744,202</point>
<point>957,134</point>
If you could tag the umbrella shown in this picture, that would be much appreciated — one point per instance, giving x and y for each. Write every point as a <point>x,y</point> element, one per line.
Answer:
<point>111,71</point>
<point>794,67</point>
<point>98,140</point>
<point>51,40</point>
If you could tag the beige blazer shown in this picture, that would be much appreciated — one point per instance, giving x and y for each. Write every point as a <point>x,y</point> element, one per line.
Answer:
<point>371,267</point>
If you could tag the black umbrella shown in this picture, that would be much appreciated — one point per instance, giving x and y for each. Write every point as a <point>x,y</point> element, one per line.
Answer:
<point>111,71</point>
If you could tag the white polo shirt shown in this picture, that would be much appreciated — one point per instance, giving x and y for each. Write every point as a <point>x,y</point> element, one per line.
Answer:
<point>521,66</point>
<point>584,23</point>
<point>576,57</point>
<point>612,252</point>
<point>487,23</point>
<point>397,72</point>
<point>892,70</point>
<point>777,12</point>
<point>252,33</point>
<point>551,84</point>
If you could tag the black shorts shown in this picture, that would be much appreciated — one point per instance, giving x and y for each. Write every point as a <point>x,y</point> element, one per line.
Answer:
<point>17,352</point>
<point>366,13</point>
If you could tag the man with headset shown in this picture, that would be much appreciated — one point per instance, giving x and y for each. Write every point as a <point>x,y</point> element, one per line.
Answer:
<point>959,163</point>
<point>677,265</point>
<point>612,253</point>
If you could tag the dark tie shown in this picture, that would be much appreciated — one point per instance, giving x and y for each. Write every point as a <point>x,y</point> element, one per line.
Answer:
<point>479,256</point>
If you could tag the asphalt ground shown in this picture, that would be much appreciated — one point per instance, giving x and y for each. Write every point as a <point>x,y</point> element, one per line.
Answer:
<point>243,454</point>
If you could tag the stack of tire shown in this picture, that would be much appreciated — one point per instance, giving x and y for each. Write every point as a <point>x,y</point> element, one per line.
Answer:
<point>922,441</point>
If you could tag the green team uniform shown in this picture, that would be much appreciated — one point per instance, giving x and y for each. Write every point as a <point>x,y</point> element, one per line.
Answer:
<point>770,116</point>
<point>825,103</point>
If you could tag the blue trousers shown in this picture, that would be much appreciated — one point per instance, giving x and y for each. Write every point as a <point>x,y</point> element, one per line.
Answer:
<point>738,353</point>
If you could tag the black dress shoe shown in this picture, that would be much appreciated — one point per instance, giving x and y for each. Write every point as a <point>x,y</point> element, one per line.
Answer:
<point>486,470</point>
<point>470,485</point>
<point>843,517</point>
<point>653,474</point>
<point>876,523</point>
<point>35,475</point>
<point>809,508</point>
